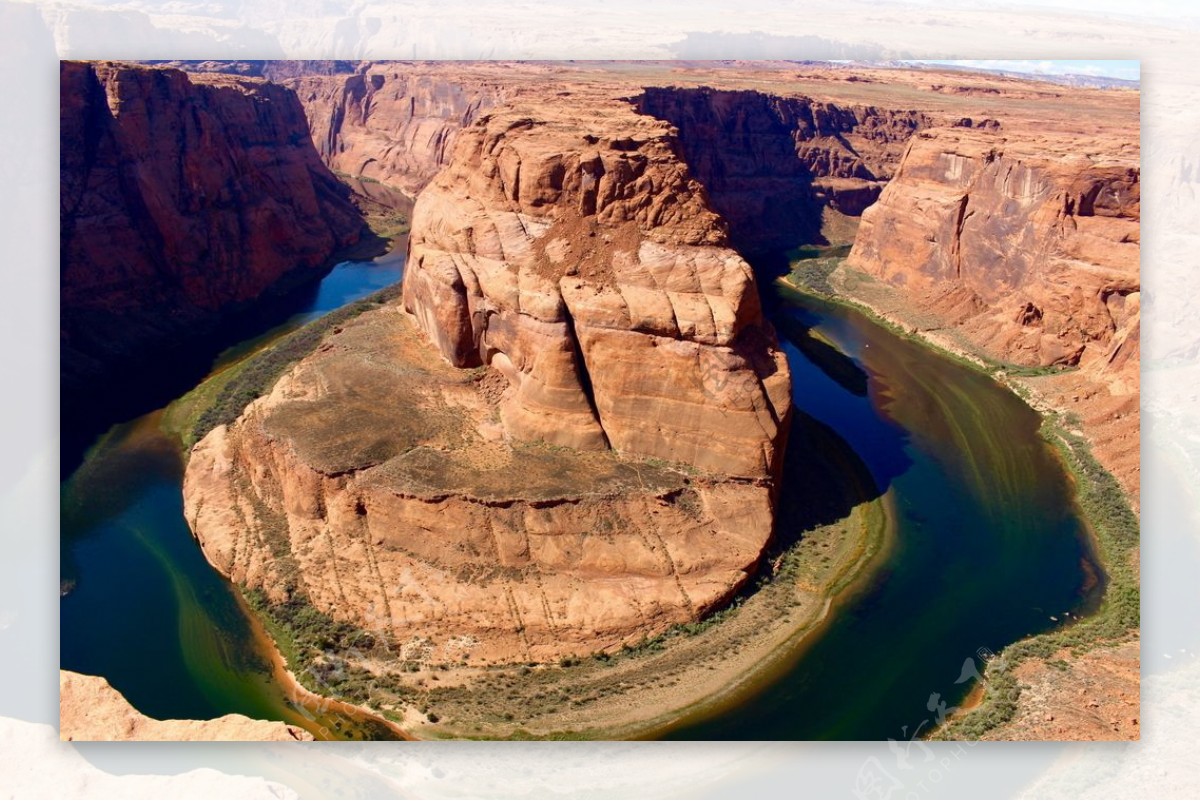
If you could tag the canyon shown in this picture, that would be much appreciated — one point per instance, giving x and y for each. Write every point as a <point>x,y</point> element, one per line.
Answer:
<point>1026,251</point>
<point>185,199</point>
<point>565,438</point>
<point>1010,234</point>
<point>604,471</point>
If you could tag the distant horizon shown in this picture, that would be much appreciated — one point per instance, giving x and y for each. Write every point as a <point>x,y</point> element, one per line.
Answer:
<point>1124,70</point>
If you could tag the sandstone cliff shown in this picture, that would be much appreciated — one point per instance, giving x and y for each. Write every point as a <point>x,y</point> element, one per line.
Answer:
<point>1033,246</point>
<point>388,122</point>
<point>572,249</point>
<point>183,197</point>
<point>604,468</point>
<point>771,163</point>
<point>91,710</point>
<point>1027,245</point>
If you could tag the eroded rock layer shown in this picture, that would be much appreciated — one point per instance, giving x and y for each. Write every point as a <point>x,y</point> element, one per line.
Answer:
<point>91,710</point>
<point>376,482</point>
<point>183,197</point>
<point>573,251</point>
<point>593,460</point>
<point>771,163</point>
<point>1024,246</point>
<point>388,122</point>
<point>1029,244</point>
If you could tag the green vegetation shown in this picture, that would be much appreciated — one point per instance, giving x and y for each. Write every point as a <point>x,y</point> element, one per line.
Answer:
<point>812,266</point>
<point>1114,528</point>
<point>812,276</point>
<point>223,397</point>
<point>386,210</point>
<point>1103,504</point>
<point>322,652</point>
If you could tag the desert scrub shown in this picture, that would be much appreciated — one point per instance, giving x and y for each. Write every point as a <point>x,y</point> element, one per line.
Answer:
<point>221,399</point>
<point>321,651</point>
<point>811,267</point>
<point>1115,533</point>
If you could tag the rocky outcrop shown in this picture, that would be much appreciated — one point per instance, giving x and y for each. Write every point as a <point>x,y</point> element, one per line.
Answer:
<point>1025,244</point>
<point>594,459</point>
<point>91,710</point>
<point>184,198</point>
<point>574,252</point>
<point>388,122</point>
<point>772,163</point>
<point>375,481</point>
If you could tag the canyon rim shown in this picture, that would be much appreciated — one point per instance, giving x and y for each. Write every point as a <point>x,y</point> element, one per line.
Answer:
<point>613,456</point>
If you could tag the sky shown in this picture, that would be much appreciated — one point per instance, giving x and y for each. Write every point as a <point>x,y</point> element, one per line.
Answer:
<point>1125,70</point>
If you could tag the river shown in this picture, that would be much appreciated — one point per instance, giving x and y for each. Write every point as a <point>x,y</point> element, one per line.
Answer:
<point>144,608</point>
<point>988,546</point>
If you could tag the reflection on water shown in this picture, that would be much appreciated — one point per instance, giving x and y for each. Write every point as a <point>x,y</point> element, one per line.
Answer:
<point>988,544</point>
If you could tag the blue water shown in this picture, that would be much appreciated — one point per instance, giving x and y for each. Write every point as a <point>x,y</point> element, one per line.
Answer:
<point>145,609</point>
<point>988,541</point>
<point>987,546</point>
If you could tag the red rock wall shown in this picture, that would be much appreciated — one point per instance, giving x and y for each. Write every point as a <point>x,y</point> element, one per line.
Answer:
<point>568,247</point>
<point>389,122</point>
<point>182,197</point>
<point>771,164</point>
<point>1027,245</point>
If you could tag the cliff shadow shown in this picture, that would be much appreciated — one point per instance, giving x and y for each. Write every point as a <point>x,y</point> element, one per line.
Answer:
<point>97,392</point>
<point>841,451</point>
<point>823,480</point>
<point>742,146</point>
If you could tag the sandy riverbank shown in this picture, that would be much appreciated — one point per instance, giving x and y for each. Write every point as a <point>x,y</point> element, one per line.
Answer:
<point>1049,686</point>
<point>675,679</point>
<point>323,715</point>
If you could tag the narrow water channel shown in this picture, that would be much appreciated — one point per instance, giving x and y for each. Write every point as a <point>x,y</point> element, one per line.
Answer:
<point>987,546</point>
<point>143,608</point>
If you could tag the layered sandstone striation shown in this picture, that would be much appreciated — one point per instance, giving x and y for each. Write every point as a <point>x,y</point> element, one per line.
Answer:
<point>1026,246</point>
<point>772,162</point>
<point>376,482</point>
<point>593,460</point>
<point>575,253</point>
<point>183,197</point>
<point>91,710</point>
<point>1030,244</point>
<point>388,122</point>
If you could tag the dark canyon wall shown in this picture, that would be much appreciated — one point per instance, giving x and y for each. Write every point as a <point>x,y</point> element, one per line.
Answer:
<point>182,198</point>
<point>391,123</point>
<point>772,164</point>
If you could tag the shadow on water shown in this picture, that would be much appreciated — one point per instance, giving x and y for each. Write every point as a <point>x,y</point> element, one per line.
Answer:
<point>161,376</point>
<point>797,329</point>
<point>988,546</point>
<point>144,608</point>
<point>177,366</point>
